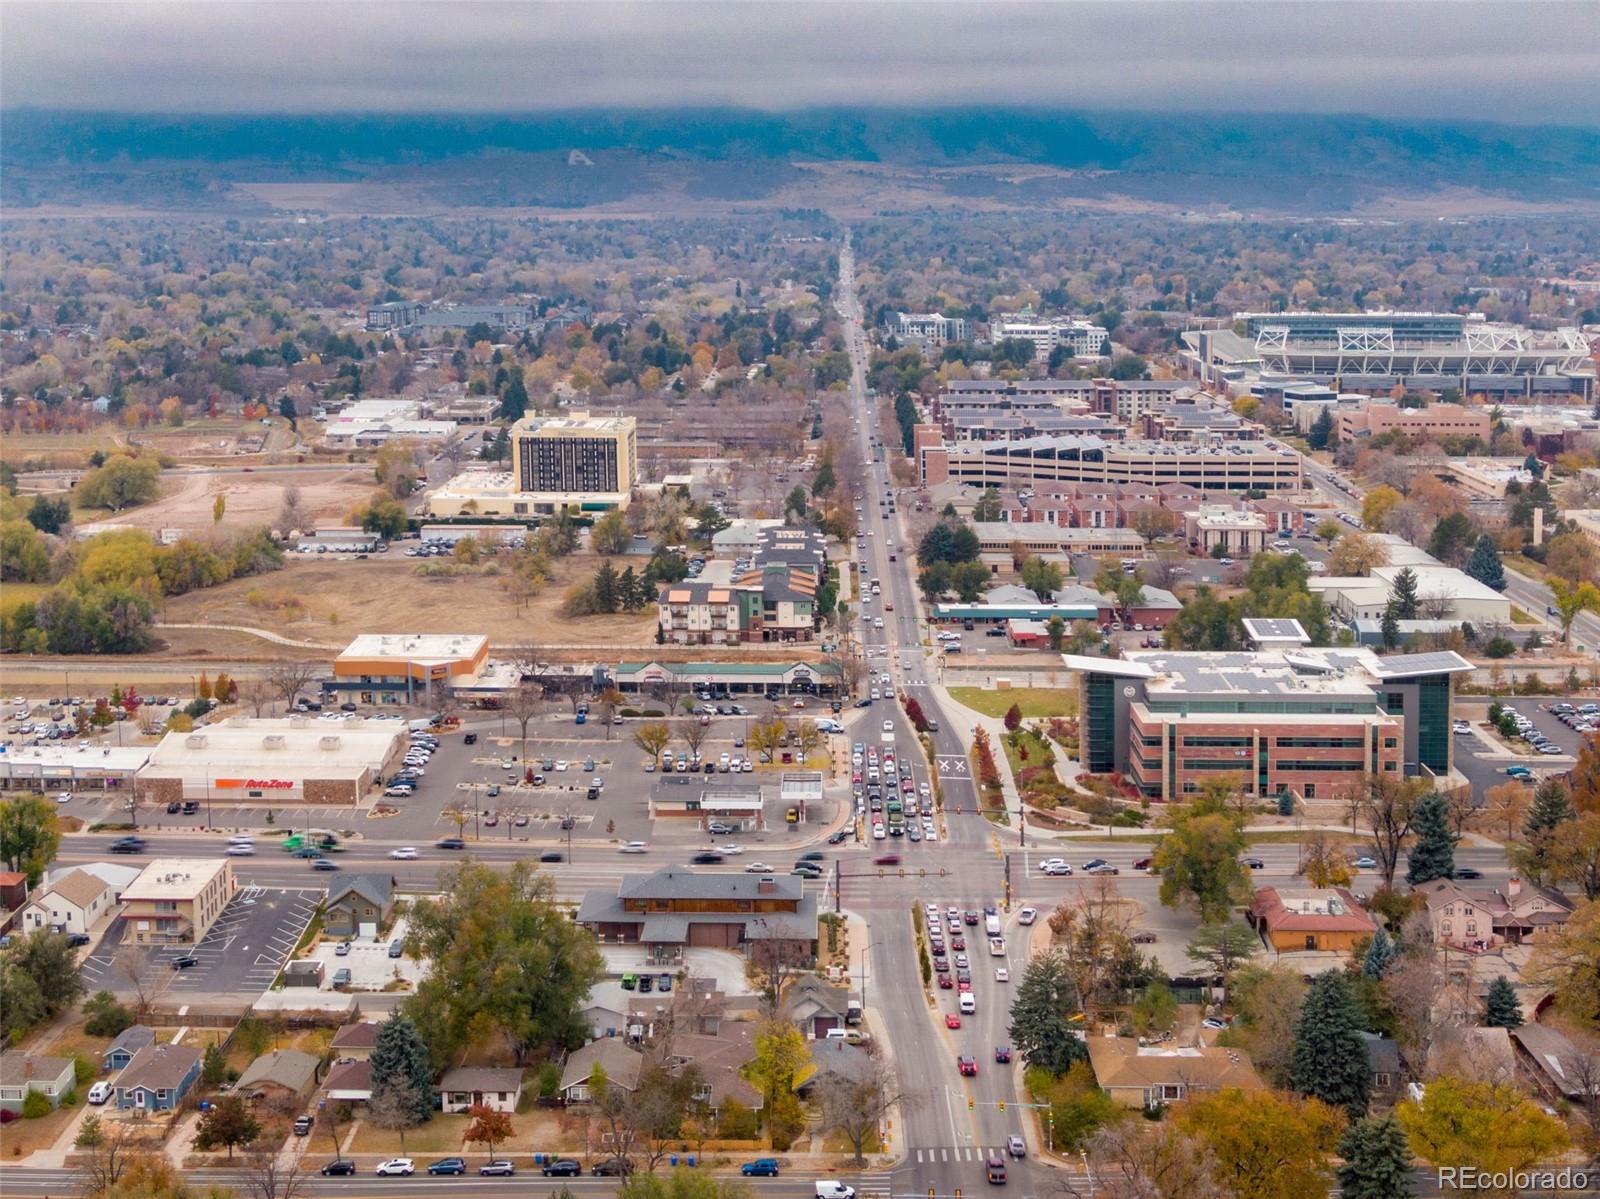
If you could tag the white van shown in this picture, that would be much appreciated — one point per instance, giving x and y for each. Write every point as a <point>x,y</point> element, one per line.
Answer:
<point>100,1093</point>
<point>969,1003</point>
<point>827,1188</point>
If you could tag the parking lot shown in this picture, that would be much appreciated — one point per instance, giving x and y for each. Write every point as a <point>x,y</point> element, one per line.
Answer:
<point>371,968</point>
<point>241,954</point>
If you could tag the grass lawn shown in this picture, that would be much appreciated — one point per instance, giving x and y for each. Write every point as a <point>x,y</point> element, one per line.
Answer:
<point>22,1137</point>
<point>442,1135</point>
<point>1033,702</point>
<point>1291,837</point>
<point>75,1041</point>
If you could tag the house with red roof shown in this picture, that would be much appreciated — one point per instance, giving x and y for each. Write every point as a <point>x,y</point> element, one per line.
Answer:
<point>1300,919</point>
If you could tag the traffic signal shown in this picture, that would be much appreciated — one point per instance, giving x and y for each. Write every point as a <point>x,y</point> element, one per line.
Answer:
<point>970,1103</point>
<point>1002,1105</point>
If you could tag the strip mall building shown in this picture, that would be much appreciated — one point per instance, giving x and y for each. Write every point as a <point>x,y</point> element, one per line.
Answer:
<point>243,760</point>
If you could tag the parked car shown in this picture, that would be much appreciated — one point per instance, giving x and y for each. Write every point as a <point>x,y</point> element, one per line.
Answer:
<point>612,1167</point>
<point>340,1168</point>
<point>762,1167</point>
<point>401,1166</point>
<point>499,1167</point>
<point>564,1167</point>
<point>448,1165</point>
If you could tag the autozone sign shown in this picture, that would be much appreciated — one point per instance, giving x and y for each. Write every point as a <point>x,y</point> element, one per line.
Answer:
<point>255,784</point>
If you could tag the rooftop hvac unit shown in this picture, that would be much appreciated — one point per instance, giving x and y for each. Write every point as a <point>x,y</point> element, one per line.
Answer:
<point>328,743</point>
<point>273,741</point>
<point>195,741</point>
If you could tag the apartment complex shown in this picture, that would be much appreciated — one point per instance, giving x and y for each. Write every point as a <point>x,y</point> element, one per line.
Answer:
<point>673,909</point>
<point>175,901</point>
<point>1084,339</point>
<point>1308,721</point>
<point>1040,462</point>
<point>774,602</point>
<point>1436,420</point>
<point>932,329</point>
<point>401,315</point>
<point>575,453</point>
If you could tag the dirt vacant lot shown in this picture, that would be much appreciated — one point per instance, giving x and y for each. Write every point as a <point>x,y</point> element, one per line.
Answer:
<point>326,497</point>
<point>319,600</point>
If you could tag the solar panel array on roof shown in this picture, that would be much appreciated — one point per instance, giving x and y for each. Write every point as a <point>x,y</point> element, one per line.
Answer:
<point>1403,665</point>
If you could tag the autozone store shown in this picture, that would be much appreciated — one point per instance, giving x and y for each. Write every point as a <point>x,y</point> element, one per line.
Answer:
<point>273,762</point>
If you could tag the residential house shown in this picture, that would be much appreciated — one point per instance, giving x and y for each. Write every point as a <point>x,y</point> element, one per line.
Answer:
<point>72,904</point>
<point>1554,1065</point>
<point>621,1063</point>
<point>1155,608</point>
<point>1481,918</point>
<point>158,1078</point>
<point>674,908</point>
<point>354,1041</point>
<point>22,1073</point>
<point>13,894</point>
<point>721,1060</point>
<point>467,1086</point>
<point>285,1074</point>
<point>1383,1064</point>
<point>815,1006</point>
<point>358,904</point>
<point>129,1041</point>
<point>1136,1075</point>
<point>348,1082</point>
<point>1298,919</point>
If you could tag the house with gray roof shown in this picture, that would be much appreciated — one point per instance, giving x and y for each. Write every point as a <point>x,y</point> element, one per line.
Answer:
<point>358,903</point>
<point>158,1078</point>
<point>1383,1064</point>
<point>467,1086</point>
<point>816,1007</point>
<point>620,1061</point>
<point>22,1073</point>
<point>129,1041</point>
<point>673,909</point>
<point>1555,1065</point>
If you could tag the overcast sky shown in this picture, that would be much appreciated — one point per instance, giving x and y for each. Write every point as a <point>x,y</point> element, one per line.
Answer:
<point>1512,60</point>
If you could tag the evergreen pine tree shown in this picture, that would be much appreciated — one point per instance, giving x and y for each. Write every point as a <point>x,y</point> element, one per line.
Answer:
<point>399,1052</point>
<point>1551,806</point>
<point>605,588</point>
<point>1485,566</point>
<point>1501,1009</point>
<point>1320,435</point>
<point>1434,854</point>
<point>1330,1061</point>
<point>1391,627</point>
<point>629,593</point>
<point>1403,599</point>
<point>1377,1160</point>
<point>1381,953</point>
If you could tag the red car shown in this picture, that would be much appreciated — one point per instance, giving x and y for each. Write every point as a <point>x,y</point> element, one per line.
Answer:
<point>1142,863</point>
<point>967,1065</point>
<point>952,1020</point>
<point>945,982</point>
<point>888,859</point>
<point>959,944</point>
<point>964,985</point>
<point>969,917</point>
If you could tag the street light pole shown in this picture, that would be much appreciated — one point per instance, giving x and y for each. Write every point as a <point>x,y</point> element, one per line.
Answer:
<point>865,949</point>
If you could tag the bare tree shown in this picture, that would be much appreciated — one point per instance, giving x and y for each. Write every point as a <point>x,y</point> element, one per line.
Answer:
<point>257,694</point>
<point>855,1104</point>
<point>290,517</point>
<point>1126,1162</point>
<point>692,733</point>
<point>393,1106</point>
<point>610,700</point>
<point>806,738</point>
<point>269,1175</point>
<point>288,677</point>
<point>1419,993</point>
<point>774,962</point>
<point>131,962</point>
<point>1094,931</point>
<point>1387,805</point>
<point>523,703</point>
<point>106,1163</point>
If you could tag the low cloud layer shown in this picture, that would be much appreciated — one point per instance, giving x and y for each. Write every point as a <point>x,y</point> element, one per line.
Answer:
<point>1502,61</point>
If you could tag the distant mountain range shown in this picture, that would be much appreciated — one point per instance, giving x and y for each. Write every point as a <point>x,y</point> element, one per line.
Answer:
<point>708,158</point>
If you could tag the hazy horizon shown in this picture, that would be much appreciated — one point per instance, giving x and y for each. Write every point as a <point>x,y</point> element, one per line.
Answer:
<point>1517,64</point>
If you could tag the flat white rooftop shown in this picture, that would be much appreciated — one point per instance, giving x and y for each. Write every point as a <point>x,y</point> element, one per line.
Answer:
<point>417,647</point>
<point>293,747</point>
<point>109,758</point>
<point>174,878</point>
